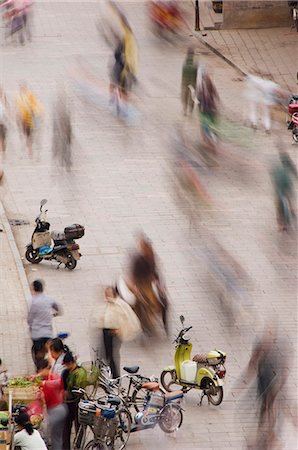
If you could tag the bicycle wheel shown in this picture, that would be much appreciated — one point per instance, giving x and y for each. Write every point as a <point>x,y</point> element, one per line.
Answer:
<point>92,445</point>
<point>123,429</point>
<point>138,398</point>
<point>83,435</point>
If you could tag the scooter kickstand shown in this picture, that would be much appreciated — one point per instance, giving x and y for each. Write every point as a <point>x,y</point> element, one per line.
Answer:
<point>58,267</point>
<point>202,396</point>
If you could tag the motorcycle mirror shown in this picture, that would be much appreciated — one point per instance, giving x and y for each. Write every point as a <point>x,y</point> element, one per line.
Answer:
<point>43,202</point>
<point>182,320</point>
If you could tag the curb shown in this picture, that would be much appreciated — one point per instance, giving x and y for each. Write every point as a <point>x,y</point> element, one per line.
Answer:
<point>16,255</point>
<point>213,49</point>
<point>217,53</point>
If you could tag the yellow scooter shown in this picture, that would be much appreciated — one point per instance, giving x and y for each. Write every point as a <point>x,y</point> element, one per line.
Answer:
<point>203,372</point>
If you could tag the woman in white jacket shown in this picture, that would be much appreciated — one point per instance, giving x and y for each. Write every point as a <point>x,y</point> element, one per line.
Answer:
<point>120,323</point>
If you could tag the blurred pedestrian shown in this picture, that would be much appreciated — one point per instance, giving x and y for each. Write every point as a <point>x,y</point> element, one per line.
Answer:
<point>29,112</point>
<point>27,438</point>
<point>208,98</point>
<point>282,174</point>
<point>40,318</point>
<point>56,357</point>
<point>117,77</point>
<point>120,323</point>
<point>266,364</point>
<point>62,131</point>
<point>4,115</point>
<point>144,290</point>
<point>74,377</point>
<point>261,93</point>
<point>189,78</point>
<point>53,392</point>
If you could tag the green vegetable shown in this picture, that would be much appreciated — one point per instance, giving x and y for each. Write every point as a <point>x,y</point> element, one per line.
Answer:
<point>19,382</point>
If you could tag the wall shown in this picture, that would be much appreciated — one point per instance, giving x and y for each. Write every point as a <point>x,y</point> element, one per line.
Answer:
<point>255,14</point>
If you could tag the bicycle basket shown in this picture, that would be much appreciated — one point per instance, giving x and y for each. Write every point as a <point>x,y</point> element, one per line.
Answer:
<point>87,410</point>
<point>105,427</point>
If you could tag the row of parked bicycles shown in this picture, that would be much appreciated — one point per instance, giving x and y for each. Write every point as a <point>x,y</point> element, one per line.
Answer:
<point>110,412</point>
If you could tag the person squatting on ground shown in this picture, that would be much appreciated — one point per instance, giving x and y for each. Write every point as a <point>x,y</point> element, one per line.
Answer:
<point>120,323</point>
<point>40,318</point>
<point>27,438</point>
<point>189,78</point>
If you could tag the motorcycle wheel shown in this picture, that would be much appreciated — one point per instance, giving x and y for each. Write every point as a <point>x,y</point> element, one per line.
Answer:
<point>295,134</point>
<point>169,380</point>
<point>71,263</point>
<point>170,418</point>
<point>214,393</point>
<point>32,256</point>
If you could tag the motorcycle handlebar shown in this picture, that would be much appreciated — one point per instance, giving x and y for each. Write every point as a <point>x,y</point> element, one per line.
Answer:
<point>182,332</point>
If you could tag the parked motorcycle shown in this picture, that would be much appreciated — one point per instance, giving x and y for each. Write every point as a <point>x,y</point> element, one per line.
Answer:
<point>204,372</point>
<point>159,408</point>
<point>293,114</point>
<point>64,249</point>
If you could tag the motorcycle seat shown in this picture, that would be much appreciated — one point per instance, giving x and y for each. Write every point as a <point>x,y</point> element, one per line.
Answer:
<point>294,97</point>
<point>132,369</point>
<point>151,385</point>
<point>169,396</point>
<point>200,358</point>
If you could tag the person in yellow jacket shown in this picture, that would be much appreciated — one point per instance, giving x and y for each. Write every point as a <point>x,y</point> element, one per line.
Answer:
<point>29,109</point>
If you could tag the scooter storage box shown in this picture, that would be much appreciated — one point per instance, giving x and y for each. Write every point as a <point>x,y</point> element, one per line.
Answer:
<point>41,239</point>
<point>74,231</point>
<point>87,411</point>
<point>188,370</point>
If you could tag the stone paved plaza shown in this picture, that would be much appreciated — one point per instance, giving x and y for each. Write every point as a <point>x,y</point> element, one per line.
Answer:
<point>121,182</point>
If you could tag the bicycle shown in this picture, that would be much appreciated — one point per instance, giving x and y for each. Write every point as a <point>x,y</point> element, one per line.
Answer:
<point>107,423</point>
<point>137,382</point>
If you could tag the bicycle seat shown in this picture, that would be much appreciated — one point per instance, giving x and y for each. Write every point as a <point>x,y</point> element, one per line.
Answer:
<point>132,369</point>
<point>151,385</point>
<point>113,400</point>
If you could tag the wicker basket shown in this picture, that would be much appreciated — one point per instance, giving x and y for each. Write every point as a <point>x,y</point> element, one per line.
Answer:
<point>26,394</point>
<point>87,411</point>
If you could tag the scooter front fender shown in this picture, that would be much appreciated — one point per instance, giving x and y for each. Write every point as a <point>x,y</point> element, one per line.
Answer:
<point>169,369</point>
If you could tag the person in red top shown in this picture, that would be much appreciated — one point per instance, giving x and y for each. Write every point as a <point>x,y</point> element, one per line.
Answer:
<point>53,392</point>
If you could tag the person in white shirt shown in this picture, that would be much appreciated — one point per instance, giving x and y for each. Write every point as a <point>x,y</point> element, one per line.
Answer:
<point>56,357</point>
<point>261,93</point>
<point>27,438</point>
